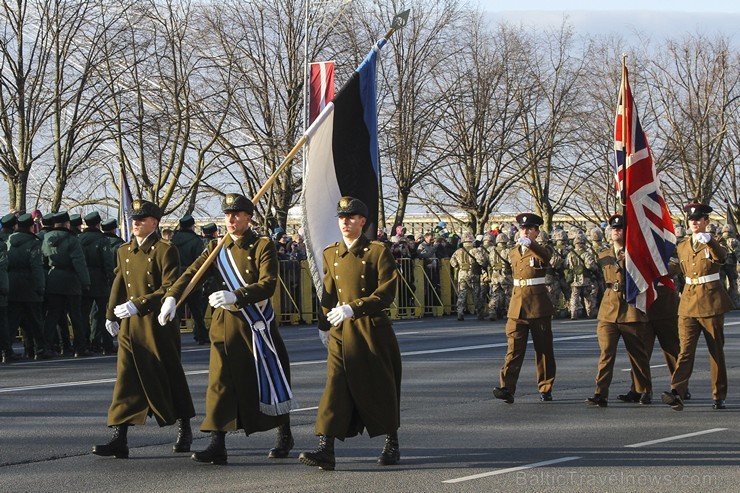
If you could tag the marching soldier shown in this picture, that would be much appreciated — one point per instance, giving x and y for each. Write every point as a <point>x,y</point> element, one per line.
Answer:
<point>583,266</point>
<point>6,337</point>
<point>150,379</point>
<point>551,277</point>
<point>562,271</point>
<point>238,397</point>
<point>501,282</point>
<point>729,272</point>
<point>617,318</point>
<point>596,246</point>
<point>702,309</point>
<point>189,245</point>
<point>100,261</point>
<point>47,224</point>
<point>75,224</point>
<point>363,386</point>
<point>27,284</point>
<point>469,266</point>
<point>66,280</point>
<point>530,311</point>
<point>109,227</point>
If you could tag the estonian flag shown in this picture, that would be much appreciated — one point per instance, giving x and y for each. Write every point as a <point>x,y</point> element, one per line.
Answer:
<point>342,159</point>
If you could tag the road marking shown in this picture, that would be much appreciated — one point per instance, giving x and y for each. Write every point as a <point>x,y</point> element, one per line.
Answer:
<point>511,469</point>
<point>304,409</point>
<point>732,323</point>
<point>407,333</point>
<point>487,346</point>
<point>653,366</point>
<point>677,437</point>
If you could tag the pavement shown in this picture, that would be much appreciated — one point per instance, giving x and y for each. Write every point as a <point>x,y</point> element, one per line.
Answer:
<point>454,436</point>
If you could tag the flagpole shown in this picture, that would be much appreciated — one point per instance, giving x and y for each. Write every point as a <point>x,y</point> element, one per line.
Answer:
<point>623,91</point>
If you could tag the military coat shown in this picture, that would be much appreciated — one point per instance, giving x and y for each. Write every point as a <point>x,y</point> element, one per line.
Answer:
<point>150,375</point>
<point>189,246</point>
<point>4,283</point>
<point>232,397</point>
<point>65,259</point>
<point>528,302</point>
<point>697,260</point>
<point>100,260</point>
<point>614,307</point>
<point>25,268</point>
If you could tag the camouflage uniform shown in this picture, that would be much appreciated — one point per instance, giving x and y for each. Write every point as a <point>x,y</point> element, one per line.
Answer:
<point>679,279</point>
<point>729,271</point>
<point>583,266</point>
<point>551,276</point>
<point>469,263</point>
<point>501,281</point>
<point>561,269</point>
<point>597,245</point>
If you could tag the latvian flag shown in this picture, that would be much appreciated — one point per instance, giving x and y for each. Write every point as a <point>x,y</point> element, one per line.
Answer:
<point>650,239</point>
<point>341,159</point>
<point>321,88</point>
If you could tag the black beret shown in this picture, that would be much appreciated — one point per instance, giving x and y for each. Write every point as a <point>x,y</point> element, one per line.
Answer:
<point>697,210</point>
<point>25,220</point>
<point>109,224</point>
<point>616,221</point>
<point>527,219</point>
<point>61,217</point>
<point>349,206</point>
<point>209,229</point>
<point>186,221</point>
<point>234,202</point>
<point>143,208</point>
<point>9,220</point>
<point>93,219</point>
<point>75,220</point>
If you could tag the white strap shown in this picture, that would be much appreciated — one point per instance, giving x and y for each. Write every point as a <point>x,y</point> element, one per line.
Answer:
<point>529,282</point>
<point>703,279</point>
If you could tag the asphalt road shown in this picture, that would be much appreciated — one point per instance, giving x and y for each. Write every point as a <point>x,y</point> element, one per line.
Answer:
<point>454,436</point>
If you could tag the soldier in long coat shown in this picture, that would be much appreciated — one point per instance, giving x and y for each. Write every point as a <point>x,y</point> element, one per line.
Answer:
<point>232,397</point>
<point>150,379</point>
<point>704,302</point>
<point>363,385</point>
<point>190,246</point>
<point>530,311</point>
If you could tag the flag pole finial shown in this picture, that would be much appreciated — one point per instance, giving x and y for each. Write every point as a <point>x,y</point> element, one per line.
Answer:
<point>399,21</point>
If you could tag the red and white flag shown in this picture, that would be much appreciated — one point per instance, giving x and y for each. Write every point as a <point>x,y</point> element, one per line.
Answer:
<point>321,87</point>
<point>650,239</point>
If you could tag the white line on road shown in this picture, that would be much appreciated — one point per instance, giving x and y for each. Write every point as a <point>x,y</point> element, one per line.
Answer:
<point>486,346</point>
<point>677,437</point>
<point>407,333</point>
<point>511,469</point>
<point>653,366</point>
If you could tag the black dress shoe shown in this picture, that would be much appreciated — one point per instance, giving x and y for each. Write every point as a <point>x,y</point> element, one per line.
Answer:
<point>719,404</point>
<point>84,353</point>
<point>597,400</point>
<point>546,396</point>
<point>646,398</point>
<point>47,354</point>
<point>630,396</point>
<point>460,318</point>
<point>672,399</point>
<point>503,394</point>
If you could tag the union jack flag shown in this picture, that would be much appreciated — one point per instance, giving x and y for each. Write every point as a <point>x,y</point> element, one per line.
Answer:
<point>650,239</point>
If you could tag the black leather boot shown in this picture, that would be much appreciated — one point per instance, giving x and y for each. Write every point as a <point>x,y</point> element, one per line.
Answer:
<point>184,436</point>
<point>391,454</point>
<point>322,457</point>
<point>118,445</point>
<point>215,453</point>
<point>283,444</point>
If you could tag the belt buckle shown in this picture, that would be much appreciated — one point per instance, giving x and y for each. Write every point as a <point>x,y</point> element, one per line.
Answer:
<point>615,286</point>
<point>522,282</point>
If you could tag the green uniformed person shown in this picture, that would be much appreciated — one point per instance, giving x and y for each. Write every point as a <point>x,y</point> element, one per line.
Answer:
<point>100,264</point>
<point>530,311</point>
<point>563,274</point>
<point>583,286</point>
<point>247,267</point>
<point>109,227</point>
<point>729,272</point>
<point>6,338</point>
<point>7,226</point>
<point>363,382</point>
<point>75,223</point>
<point>189,245</point>
<point>27,285</point>
<point>468,264</point>
<point>66,280</point>
<point>499,272</point>
<point>617,318</point>
<point>150,379</point>
<point>704,302</point>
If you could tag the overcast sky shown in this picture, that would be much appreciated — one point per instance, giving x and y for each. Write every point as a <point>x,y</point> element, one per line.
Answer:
<point>722,6</point>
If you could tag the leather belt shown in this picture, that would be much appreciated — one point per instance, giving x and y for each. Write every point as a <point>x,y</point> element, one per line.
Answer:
<point>529,282</point>
<point>703,279</point>
<point>616,286</point>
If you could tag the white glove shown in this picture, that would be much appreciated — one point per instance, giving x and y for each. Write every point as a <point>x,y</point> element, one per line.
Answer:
<point>524,241</point>
<point>703,237</point>
<point>126,310</point>
<point>168,311</point>
<point>112,327</point>
<point>339,314</point>
<point>221,299</point>
<point>324,336</point>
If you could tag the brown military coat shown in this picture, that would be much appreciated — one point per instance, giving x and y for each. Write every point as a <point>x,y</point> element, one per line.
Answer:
<point>708,299</point>
<point>363,386</point>
<point>614,307</point>
<point>528,302</point>
<point>150,375</point>
<point>232,397</point>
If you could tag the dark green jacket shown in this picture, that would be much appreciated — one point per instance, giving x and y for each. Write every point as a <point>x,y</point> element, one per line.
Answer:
<point>66,262</point>
<point>99,257</point>
<point>4,284</point>
<point>115,241</point>
<point>189,246</point>
<point>26,268</point>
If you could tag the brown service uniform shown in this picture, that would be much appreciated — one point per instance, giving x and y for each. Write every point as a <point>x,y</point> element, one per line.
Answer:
<point>232,397</point>
<point>150,375</point>
<point>617,318</point>
<point>702,308</point>
<point>530,310</point>
<point>363,383</point>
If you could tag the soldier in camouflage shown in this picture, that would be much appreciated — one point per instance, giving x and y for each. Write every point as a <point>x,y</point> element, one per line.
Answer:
<point>501,281</point>
<point>562,248</point>
<point>469,268</point>
<point>598,245</point>
<point>551,276</point>
<point>729,271</point>
<point>583,266</point>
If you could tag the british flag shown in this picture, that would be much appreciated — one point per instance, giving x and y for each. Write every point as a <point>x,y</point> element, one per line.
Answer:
<point>650,239</point>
